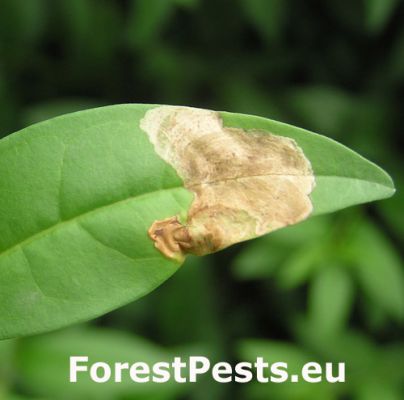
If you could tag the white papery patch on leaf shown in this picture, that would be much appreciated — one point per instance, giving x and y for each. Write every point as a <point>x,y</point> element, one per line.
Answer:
<point>245,183</point>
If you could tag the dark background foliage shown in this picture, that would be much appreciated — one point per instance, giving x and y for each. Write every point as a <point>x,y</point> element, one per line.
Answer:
<point>329,289</point>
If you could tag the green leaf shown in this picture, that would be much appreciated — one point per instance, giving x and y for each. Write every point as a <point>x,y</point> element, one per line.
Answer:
<point>330,300</point>
<point>378,13</point>
<point>288,252</point>
<point>379,270</point>
<point>301,265</point>
<point>78,194</point>
<point>368,363</point>
<point>322,108</point>
<point>374,390</point>
<point>274,351</point>
<point>356,350</point>
<point>43,364</point>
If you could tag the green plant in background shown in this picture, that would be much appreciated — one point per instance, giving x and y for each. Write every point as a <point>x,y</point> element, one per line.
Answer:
<point>330,68</point>
<point>51,351</point>
<point>336,256</point>
<point>336,264</point>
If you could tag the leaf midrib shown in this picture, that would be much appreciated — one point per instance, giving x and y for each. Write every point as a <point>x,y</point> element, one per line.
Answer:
<point>190,186</point>
<point>54,227</point>
<point>76,218</point>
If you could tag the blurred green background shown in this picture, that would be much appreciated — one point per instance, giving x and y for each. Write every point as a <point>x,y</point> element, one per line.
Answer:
<point>329,289</point>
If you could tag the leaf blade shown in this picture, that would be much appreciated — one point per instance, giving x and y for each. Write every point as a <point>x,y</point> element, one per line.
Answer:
<point>331,162</point>
<point>78,194</point>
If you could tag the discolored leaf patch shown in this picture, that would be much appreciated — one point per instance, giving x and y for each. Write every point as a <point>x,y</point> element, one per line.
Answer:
<point>246,183</point>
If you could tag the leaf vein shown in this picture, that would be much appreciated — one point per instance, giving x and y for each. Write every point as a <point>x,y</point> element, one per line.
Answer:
<point>58,225</point>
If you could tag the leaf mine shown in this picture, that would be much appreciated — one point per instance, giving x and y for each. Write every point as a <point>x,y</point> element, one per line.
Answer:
<point>245,183</point>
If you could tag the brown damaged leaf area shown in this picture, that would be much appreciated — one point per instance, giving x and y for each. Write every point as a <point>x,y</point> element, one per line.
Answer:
<point>245,183</point>
<point>170,237</point>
